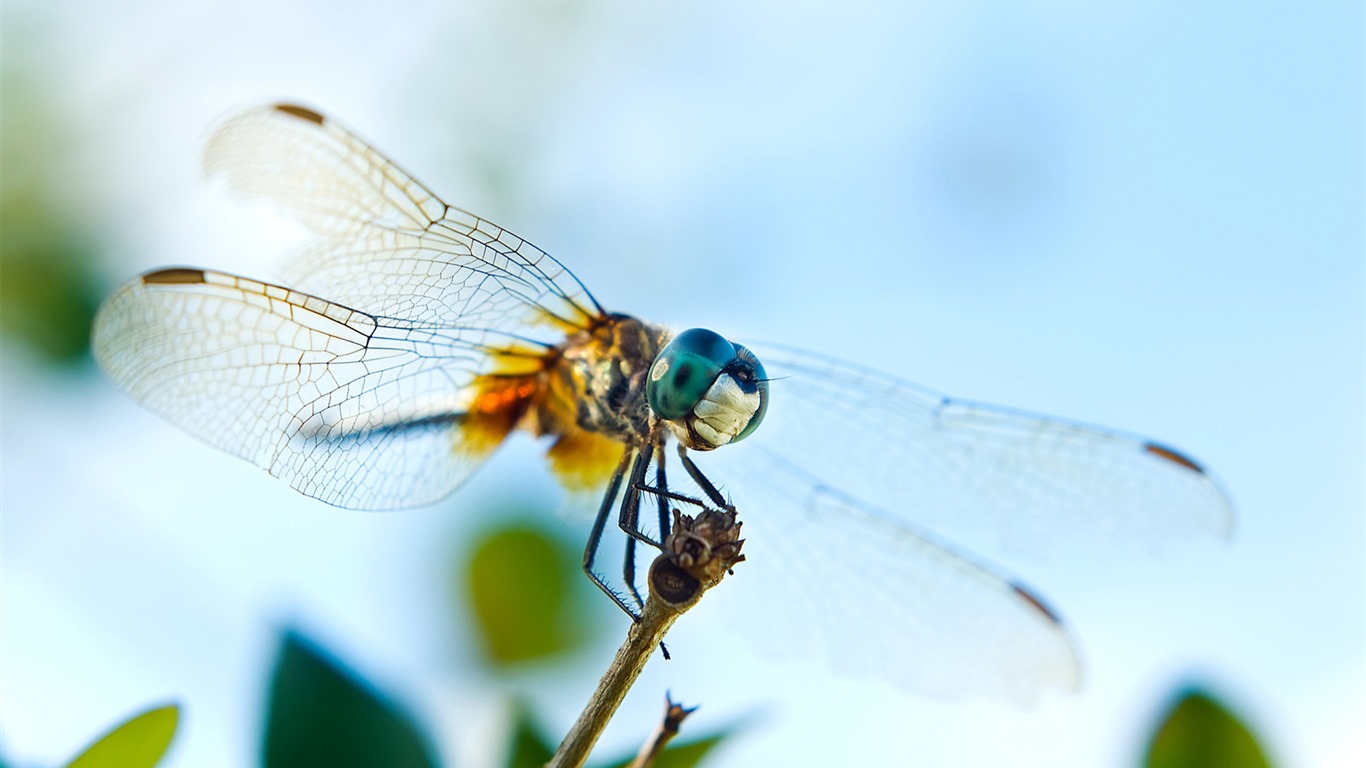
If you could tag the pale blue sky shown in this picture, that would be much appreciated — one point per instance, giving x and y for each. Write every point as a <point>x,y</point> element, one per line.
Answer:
<point>1147,217</point>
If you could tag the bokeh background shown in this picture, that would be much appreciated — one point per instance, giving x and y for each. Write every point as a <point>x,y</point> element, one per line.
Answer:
<point>1144,215</point>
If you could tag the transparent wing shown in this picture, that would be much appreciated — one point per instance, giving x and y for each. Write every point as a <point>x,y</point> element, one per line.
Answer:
<point>851,471</point>
<point>350,408</point>
<point>358,399</point>
<point>977,472</point>
<point>878,598</point>
<point>387,244</point>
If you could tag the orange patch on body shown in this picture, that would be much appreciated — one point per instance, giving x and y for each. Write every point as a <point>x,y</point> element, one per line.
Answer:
<point>498,405</point>
<point>538,390</point>
<point>524,392</point>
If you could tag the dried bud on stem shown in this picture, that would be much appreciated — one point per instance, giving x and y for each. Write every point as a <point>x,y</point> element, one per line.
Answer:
<point>697,554</point>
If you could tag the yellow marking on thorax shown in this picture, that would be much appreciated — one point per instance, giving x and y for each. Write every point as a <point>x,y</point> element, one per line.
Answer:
<point>583,460</point>
<point>568,326</point>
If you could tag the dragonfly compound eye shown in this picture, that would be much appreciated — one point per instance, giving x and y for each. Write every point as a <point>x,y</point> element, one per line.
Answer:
<point>750,375</point>
<point>710,392</point>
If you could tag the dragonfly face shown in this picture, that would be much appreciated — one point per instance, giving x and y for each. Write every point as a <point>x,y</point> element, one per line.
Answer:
<point>709,391</point>
<point>398,351</point>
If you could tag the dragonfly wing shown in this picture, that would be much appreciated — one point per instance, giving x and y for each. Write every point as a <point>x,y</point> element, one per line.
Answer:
<point>387,244</point>
<point>840,580</point>
<point>851,471</point>
<point>349,408</point>
<point>976,472</point>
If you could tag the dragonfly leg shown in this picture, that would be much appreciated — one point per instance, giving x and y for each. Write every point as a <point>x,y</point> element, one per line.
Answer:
<point>632,525</point>
<point>590,551</point>
<point>707,486</point>
<point>629,521</point>
<point>628,573</point>
<point>662,484</point>
<point>673,496</point>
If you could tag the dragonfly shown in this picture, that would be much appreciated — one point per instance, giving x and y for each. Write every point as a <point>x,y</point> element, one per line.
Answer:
<point>405,343</point>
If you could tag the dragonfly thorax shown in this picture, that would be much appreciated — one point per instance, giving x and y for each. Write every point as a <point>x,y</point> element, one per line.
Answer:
<point>603,370</point>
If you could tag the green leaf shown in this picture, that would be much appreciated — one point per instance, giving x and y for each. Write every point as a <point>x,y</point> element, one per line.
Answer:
<point>689,753</point>
<point>525,590</point>
<point>321,713</point>
<point>684,754</point>
<point>139,742</point>
<point>530,748</point>
<point>1200,731</point>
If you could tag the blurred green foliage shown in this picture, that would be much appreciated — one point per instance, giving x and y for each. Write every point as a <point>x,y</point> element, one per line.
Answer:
<point>138,742</point>
<point>1199,731</point>
<point>48,290</point>
<point>527,594</point>
<point>529,748</point>
<point>322,714</point>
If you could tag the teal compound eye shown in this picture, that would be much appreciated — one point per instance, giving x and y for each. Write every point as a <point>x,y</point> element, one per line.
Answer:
<point>709,389</point>
<point>684,370</point>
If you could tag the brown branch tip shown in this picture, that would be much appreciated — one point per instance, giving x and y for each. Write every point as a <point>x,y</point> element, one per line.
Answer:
<point>674,715</point>
<point>697,554</point>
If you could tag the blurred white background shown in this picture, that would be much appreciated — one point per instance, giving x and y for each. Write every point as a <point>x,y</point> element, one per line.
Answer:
<point>1148,216</point>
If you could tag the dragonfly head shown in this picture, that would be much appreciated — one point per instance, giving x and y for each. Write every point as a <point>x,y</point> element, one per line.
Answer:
<point>709,391</point>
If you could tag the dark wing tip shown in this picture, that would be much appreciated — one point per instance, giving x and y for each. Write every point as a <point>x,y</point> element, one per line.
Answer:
<point>173,276</point>
<point>303,113</point>
<point>1037,602</point>
<point>1174,456</point>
